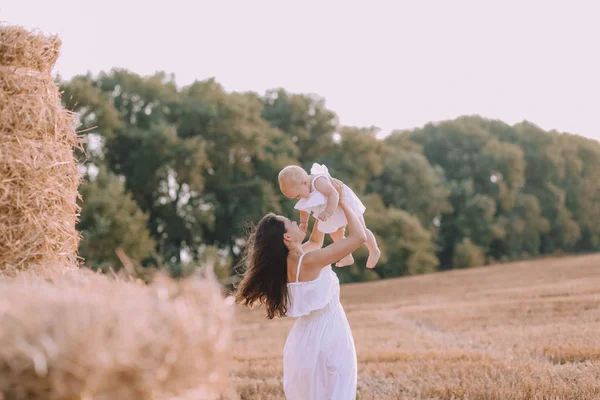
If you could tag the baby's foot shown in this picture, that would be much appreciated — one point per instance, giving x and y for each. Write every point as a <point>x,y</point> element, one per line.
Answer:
<point>373,258</point>
<point>344,262</point>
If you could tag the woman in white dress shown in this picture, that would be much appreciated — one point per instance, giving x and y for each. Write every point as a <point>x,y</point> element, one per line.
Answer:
<point>295,280</point>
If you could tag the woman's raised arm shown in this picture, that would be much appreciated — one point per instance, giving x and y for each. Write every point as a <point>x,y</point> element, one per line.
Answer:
<point>315,241</point>
<point>334,252</point>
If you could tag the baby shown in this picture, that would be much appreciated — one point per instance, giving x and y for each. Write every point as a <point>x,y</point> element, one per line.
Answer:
<point>317,196</point>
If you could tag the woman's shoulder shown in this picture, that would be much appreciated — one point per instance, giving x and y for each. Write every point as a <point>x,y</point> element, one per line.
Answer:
<point>313,280</point>
<point>311,262</point>
<point>308,296</point>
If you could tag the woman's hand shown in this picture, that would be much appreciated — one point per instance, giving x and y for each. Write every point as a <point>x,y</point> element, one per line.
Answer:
<point>339,186</point>
<point>304,226</point>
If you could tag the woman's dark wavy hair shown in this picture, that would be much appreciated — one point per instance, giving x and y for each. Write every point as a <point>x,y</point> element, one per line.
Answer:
<point>265,263</point>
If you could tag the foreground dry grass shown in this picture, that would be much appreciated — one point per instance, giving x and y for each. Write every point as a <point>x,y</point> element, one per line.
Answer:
<point>527,330</point>
<point>69,333</point>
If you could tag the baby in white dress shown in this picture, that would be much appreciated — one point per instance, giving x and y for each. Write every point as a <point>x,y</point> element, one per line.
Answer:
<point>318,197</point>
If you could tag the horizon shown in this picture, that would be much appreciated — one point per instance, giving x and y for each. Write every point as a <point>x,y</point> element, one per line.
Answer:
<point>395,66</point>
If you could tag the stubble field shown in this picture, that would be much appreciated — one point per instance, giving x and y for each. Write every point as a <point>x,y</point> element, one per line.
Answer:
<point>527,330</point>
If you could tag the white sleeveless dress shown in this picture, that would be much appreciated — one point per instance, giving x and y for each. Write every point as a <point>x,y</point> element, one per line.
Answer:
<point>316,203</point>
<point>319,358</point>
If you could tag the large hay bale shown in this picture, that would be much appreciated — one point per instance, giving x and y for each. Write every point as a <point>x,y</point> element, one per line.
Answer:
<point>79,335</point>
<point>38,171</point>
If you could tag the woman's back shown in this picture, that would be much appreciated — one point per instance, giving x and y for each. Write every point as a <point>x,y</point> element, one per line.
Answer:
<point>305,297</point>
<point>320,344</point>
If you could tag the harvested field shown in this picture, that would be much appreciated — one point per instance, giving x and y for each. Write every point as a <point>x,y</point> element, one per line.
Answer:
<point>527,330</point>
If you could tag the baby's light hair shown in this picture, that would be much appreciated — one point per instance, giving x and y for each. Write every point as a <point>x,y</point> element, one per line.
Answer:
<point>291,174</point>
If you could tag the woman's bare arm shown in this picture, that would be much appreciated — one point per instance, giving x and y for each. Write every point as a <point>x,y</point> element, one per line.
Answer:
<point>318,259</point>
<point>315,241</point>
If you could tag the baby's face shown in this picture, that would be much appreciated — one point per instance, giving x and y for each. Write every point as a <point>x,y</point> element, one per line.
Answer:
<point>296,190</point>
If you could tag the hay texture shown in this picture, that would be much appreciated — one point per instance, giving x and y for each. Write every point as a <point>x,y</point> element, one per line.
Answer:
<point>79,335</point>
<point>38,170</point>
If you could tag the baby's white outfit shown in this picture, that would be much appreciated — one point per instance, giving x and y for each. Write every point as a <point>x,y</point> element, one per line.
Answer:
<point>316,202</point>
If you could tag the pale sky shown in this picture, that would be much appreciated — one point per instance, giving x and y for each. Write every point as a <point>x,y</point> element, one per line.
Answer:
<point>392,64</point>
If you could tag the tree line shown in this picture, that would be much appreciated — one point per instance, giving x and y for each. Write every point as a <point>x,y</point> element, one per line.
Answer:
<point>175,175</point>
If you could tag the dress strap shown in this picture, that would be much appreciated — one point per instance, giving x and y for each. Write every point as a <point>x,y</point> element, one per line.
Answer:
<point>298,270</point>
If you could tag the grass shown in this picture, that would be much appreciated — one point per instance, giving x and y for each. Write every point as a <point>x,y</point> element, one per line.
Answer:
<point>521,331</point>
<point>69,334</point>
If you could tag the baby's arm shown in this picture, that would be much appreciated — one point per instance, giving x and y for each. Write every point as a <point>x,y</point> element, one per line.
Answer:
<point>304,216</point>
<point>333,197</point>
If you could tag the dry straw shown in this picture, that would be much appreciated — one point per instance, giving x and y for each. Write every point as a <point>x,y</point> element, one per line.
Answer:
<point>23,49</point>
<point>79,335</point>
<point>38,171</point>
<point>68,333</point>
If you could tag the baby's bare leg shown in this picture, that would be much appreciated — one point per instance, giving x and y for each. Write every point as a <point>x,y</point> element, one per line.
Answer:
<point>339,235</point>
<point>371,243</point>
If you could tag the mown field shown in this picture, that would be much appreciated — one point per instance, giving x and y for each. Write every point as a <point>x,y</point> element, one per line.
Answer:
<point>527,330</point>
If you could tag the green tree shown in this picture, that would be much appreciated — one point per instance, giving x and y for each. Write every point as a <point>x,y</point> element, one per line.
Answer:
<point>245,154</point>
<point>473,216</point>
<point>356,157</point>
<point>466,150</point>
<point>467,254</point>
<point>584,200</point>
<point>190,167</point>
<point>521,231</point>
<point>500,173</point>
<point>455,146</point>
<point>305,120</point>
<point>164,173</point>
<point>545,173</point>
<point>409,182</point>
<point>110,218</point>
<point>407,247</point>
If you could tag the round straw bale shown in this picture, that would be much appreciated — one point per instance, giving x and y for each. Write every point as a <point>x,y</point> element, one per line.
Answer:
<point>86,336</point>
<point>38,170</point>
<point>24,49</point>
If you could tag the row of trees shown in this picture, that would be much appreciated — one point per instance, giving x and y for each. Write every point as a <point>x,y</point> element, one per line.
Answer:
<point>175,175</point>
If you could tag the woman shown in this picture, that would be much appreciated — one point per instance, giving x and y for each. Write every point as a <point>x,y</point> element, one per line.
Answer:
<point>295,280</point>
